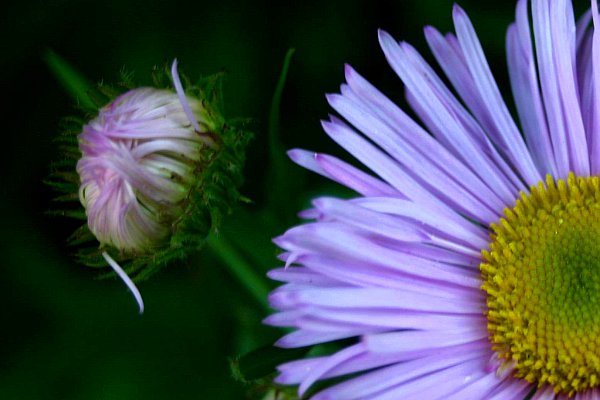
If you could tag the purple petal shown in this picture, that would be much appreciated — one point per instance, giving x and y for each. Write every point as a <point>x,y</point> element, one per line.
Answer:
<point>451,58</point>
<point>451,223</point>
<point>436,104</point>
<point>562,26</point>
<point>511,389</point>
<point>182,97</point>
<point>477,387</point>
<point>341,172</point>
<point>491,97</point>
<point>550,86</point>
<point>526,91</point>
<point>324,367</point>
<point>546,393</point>
<point>302,338</point>
<point>374,298</point>
<point>367,385</point>
<point>301,275</point>
<point>336,240</point>
<point>360,217</point>
<point>358,273</point>
<point>595,137</point>
<point>442,181</point>
<point>413,341</point>
<point>409,133</point>
<point>295,372</point>
<point>437,386</point>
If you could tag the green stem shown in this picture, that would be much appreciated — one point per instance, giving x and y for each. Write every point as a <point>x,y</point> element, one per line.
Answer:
<point>243,271</point>
<point>278,161</point>
<point>75,83</point>
<point>275,146</point>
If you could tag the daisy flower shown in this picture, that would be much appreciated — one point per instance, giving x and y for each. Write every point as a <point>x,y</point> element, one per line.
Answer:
<point>467,267</point>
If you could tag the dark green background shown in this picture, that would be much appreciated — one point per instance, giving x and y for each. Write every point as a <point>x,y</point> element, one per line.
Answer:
<point>66,335</point>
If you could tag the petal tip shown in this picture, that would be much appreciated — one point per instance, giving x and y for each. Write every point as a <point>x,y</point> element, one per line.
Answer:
<point>429,30</point>
<point>384,37</point>
<point>332,98</point>
<point>348,70</point>
<point>457,11</point>
<point>298,155</point>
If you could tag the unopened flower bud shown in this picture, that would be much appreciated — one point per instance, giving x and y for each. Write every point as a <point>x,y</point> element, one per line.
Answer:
<point>140,157</point>
<point>158,168</point>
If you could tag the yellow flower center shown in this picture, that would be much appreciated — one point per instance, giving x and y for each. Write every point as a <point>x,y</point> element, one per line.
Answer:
<point>542,278</point>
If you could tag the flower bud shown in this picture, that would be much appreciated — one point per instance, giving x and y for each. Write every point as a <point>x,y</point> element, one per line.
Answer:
<point>157,169</point>
<point>140,157</point>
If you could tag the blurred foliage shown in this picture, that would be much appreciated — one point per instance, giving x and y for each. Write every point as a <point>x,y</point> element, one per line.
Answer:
<point>68,336</point>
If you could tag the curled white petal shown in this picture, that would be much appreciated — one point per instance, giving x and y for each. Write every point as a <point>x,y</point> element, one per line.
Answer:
<point>182,98</point>
<point>126,280</point>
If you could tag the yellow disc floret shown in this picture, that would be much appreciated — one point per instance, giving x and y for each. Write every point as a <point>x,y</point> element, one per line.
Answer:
<point>542,278</point>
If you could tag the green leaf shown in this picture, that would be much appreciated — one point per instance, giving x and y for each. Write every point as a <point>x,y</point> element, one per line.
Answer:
<point>73,82</point>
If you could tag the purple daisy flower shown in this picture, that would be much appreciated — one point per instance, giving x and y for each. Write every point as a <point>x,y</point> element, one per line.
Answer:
<point>468,266</point>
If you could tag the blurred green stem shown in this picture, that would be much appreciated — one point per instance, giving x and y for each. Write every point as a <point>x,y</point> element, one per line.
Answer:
<point>280,186</point>
<point>243,271</point>
<point>276,148</point>
<point>77,86</point>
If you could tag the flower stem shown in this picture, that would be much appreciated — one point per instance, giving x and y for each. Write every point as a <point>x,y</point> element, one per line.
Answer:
<point>242,270</point>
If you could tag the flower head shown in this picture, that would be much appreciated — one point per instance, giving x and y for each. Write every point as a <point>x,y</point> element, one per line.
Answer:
<point>157,168</point>
<point>140,157</point>
<point>467,267</point>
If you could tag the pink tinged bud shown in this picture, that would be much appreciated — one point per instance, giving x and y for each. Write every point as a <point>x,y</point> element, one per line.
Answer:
<point>139,160</point>
<point>158,171</point>
<point>139,156</point>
